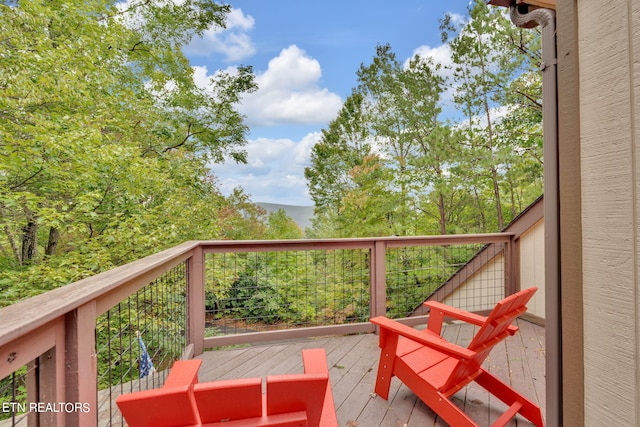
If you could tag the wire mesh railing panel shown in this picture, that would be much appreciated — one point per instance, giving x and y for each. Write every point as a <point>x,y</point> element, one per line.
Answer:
<point>139,339</point>
<point>13,397</point>
<point>481,283</point>
<point>414,273</point>
<point>259,291</point>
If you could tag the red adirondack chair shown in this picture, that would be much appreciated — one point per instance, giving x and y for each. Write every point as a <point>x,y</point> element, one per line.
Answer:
<point>435,369</point>
<point>291,400</point>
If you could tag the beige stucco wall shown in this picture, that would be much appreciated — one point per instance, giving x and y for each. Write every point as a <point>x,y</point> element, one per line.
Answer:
<point>609,81</point>
<point>532,266</point>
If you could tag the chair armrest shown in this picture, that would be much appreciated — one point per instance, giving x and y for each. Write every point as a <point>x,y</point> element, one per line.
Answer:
<point>183,372</point>
<point>425,338</point>
<point>456,313</point>
<point>315,361</point>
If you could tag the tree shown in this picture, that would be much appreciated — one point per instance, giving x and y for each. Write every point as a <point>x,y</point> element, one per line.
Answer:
<point>402,112</point>
<point>281,226</point>
<point>384,130</point>
<point>389,158</point>
<point>104,135</point>
<point>494,67</point>
<point>343,146</point>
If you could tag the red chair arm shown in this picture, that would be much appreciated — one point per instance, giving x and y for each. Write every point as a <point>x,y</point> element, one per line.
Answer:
<point>183,372</point>
<point>456,313</point>
<point>423,337</point>
<point>474,319</point>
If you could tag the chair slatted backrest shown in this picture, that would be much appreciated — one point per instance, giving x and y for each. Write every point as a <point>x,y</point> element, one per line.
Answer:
<point>494,330</point>
<point>162,407</point>
<point>297,392</point>
<point>229,400</point>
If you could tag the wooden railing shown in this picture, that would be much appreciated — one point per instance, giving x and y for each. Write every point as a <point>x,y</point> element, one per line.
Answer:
<point>56,331</point>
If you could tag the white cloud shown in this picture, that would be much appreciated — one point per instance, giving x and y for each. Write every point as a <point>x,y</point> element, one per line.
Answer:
<point>233,41</point>
<point>201,76</point>
<point>275,170</point>
<point>440,54</point>
<point>289,92</point>
<point>237,19</point>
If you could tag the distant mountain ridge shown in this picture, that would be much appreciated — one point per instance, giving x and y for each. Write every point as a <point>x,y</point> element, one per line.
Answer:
<point>302,215</point>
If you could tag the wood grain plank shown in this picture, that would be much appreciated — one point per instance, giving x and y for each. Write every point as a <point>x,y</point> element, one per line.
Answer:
<point>355,388</point>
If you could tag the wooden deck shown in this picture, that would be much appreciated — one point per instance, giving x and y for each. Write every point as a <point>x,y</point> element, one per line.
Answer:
<point>519,361</point>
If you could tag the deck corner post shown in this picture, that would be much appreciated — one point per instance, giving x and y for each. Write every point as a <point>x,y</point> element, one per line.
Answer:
<point>196,304</point>
<point>511,262</point>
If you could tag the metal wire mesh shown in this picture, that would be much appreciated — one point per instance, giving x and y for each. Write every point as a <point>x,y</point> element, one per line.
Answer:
<point>13,397</point>
<point>257,291</point>
<point>414,273</point>
<point>158,314</point>
<point>480,282</point>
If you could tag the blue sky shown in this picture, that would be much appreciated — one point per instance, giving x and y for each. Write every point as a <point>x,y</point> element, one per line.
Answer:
<point>305,56</point>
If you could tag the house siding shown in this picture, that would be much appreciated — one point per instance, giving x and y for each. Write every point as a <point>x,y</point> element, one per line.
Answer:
<point>473,295</point>
<point>532,267</point>
<point>608,43</point>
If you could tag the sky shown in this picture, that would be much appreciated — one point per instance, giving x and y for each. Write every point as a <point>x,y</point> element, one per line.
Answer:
<point>305,55</point>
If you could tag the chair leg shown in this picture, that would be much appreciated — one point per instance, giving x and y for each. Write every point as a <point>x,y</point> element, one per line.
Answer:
<point>385,366</point>
<point>502,391</point>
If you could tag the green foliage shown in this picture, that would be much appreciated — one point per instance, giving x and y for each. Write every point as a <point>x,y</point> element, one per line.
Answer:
<point>301,288</point>
<point>106,140</point>
<point>415,273</point>
<point>253,300</point>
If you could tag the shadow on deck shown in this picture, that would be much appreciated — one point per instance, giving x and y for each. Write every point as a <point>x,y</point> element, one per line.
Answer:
<point>352,359</point>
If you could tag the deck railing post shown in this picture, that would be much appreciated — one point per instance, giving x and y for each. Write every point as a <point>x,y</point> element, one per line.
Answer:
<point>81,363</point>
<point>514,243</point>
<point>32,383</point>
<point>196,303</point>
<point>378,274</point>
<point>45,389</point>
<point>510,282</point>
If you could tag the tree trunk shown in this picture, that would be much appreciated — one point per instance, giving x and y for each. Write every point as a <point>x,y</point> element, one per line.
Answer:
<point>496,194</point>
<point>10,237</point>
<point>12,243</point>
<point>443,218</point>
<point>29,241</point>
<point>52,243</point>
<point>494,171</point>
<point>481,220</point>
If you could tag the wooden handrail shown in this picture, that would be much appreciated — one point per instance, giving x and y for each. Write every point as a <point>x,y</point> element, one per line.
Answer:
<point>25,316</point>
